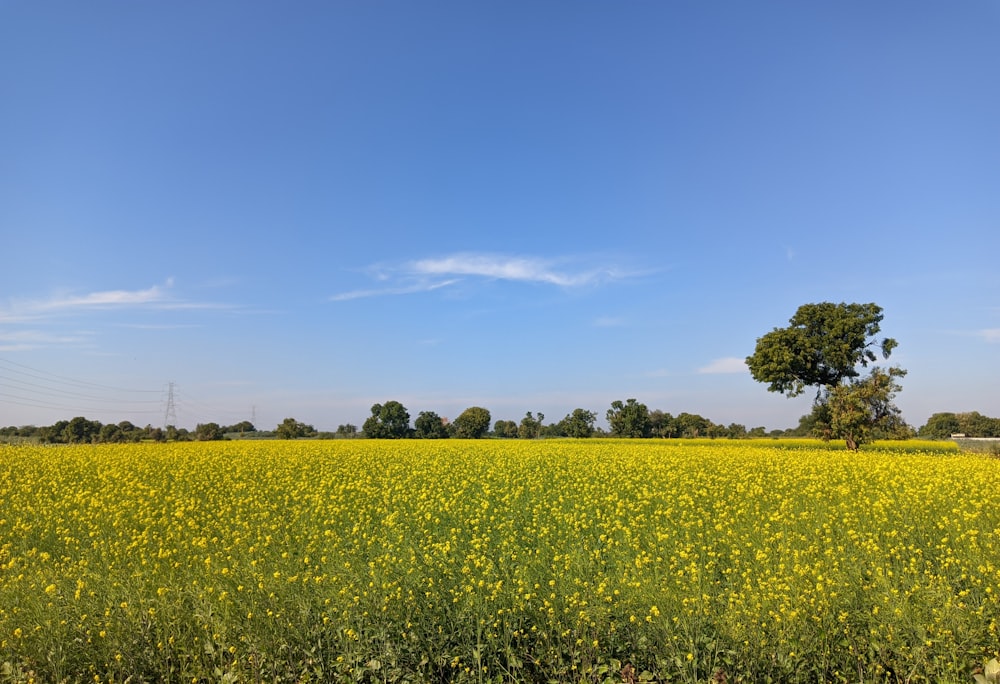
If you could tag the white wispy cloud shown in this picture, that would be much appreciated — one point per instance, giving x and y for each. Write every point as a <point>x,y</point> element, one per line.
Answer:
<point>380,292</point>
<point>424,275</point>
<point>106,299</point>
<point>990,334</point>
<point>32,309</point>
<point>22,320</point>
<point>502,267</point>
<point>160,326</point>
<point>728,364</point>
<point>23,340</point>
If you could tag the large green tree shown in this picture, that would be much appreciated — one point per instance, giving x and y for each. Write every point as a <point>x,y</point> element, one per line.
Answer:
<point>473,423</point>
<point>825,346</point>
<point>941,426</point>
<point>580,423</point>
<point>862,410</point>
<point>81,431</point>
<point>505,429</point>
<point>693,425</point>
<point>629,419</point>
<point>293,429</point>
<point>531,426</point>
<point>429,425</point>
<point>387,421</point>
<point>207,432</point>
<point>348,430</point>
<point>971,424</point>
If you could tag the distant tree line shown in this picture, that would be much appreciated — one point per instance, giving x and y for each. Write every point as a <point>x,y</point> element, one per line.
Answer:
<point>972,424</point>
<point>629,418</point>
<point>80,430</point>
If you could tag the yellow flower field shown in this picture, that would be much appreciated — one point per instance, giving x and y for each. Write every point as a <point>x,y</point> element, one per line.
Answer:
<point>494,560</point>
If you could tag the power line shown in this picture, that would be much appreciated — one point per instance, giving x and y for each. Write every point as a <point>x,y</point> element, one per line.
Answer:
<point>29,387</point>
<point>45,375</point>
<point>31,402</point>
<point>45,389</point>
<point>202,412</point>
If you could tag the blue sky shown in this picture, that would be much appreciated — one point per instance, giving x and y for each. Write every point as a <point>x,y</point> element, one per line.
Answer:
<point>301,209</point>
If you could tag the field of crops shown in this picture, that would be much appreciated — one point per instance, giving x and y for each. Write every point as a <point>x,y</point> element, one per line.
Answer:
<point>496,561</point>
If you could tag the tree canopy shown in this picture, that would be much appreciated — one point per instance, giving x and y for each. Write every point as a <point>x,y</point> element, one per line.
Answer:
<point>580,423</point>
<point>971,424</point>
<point>862,409</point>
<point>293,429</point>
<point>473,423</point>
<point>505,429</point>
<point>823,346</point>
<point>531,426</point>
<point>388,421</point>
<point>629,419</point>
<point>430,425</point>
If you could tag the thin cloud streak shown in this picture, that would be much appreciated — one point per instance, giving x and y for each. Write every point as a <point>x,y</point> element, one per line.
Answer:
<point>990,334</point>
<point>27,340</point>
<point>109,298</point>
<point>508,268</point>
<point>412,276</point>
<point>20,311</point>
<point>383,292</point>
<point>155,297</point>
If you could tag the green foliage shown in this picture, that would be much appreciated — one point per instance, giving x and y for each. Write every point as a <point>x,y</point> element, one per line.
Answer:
<point>347,430</point>
<point>242,427</point>
<point>823,346</point>
<point>662,424</point>
<point>940,426</point>
<point>862,409</point>
<point>473,423</point>
<point>736,431</point>
<point>207,432</point>
<point>692,425</point>
<point>388,421</point>
<point>430,425</point>
<point>505,429</point>
<point>531,426</point>
<point>579,423</point>
<point>970,424</point>
<point>293,429</point>
<point>81,431</point>
<point>630,419</point>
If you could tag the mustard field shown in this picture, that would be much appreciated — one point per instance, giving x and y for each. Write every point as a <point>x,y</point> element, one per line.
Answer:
<point>501,561</point>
